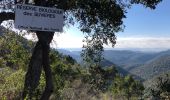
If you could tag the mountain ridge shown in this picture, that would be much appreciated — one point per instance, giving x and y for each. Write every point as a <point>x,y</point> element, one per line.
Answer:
<point>133,61</point>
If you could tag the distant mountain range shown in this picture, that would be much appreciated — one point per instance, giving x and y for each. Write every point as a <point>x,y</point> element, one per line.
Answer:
<point>144,65</point>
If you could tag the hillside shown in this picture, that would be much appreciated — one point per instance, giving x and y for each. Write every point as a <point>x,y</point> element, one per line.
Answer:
<point>68,76</point>
<point>151,81</point>
<point>155,67</point>
<point>125,58</point>
<point>140,64</point>
<point>74,54</point>
<point>128,59</point>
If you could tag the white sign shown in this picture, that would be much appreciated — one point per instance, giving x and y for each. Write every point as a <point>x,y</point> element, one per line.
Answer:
<point>37,18</point>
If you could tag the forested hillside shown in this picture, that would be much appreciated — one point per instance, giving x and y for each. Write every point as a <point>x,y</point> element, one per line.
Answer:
<point>71,81</point>
<point>158,86</point>
<point>143,65</point>
<point>74,81</point>
<point>152,68</point>
<point>155,67</point>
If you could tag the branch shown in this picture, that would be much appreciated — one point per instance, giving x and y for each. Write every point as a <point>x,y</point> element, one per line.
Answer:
<point>7,16</point>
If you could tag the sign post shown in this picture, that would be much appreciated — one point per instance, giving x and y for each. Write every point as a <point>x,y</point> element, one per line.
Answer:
<point>29,17</point>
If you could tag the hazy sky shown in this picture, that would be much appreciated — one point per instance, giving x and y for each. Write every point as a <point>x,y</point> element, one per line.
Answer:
<point>145,28</point>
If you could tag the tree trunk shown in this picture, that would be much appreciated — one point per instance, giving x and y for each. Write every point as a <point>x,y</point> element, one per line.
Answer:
<point>45,39</point>
<point>34,71</point>
<point>39,58</point>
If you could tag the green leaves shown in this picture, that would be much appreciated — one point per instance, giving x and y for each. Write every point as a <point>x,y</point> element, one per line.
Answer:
<point>99,20</point>
<point>160,87</point>
<point>12,83</point>
<point>14,51</point>
<point>148,3</point>
<point>127,87</point>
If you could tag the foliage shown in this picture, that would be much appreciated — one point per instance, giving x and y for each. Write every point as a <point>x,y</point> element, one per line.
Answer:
<point>64,70</point>
<point>149,3</point>
<point>126,87</point>
<point>11,83</point>
<point>64,67</point>
<point>71,81</point>
<point>2,63</point>
<point>160,87</point>
<point>14,50</point>
<point>100,78</point>
<point>90,85</point>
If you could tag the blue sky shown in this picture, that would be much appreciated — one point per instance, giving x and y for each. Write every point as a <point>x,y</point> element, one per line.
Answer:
<point>145,28</point>
<point>143,21</point>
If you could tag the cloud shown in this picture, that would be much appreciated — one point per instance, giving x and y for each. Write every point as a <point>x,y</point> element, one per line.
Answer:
<point>65,40</point>
<point>148,42</point>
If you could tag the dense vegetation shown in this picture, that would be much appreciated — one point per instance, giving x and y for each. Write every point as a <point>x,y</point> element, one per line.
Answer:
<point>158,87</point>
<point>71,81</point>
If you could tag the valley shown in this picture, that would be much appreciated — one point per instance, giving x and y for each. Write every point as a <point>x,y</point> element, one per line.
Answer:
<point>143,65</point>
